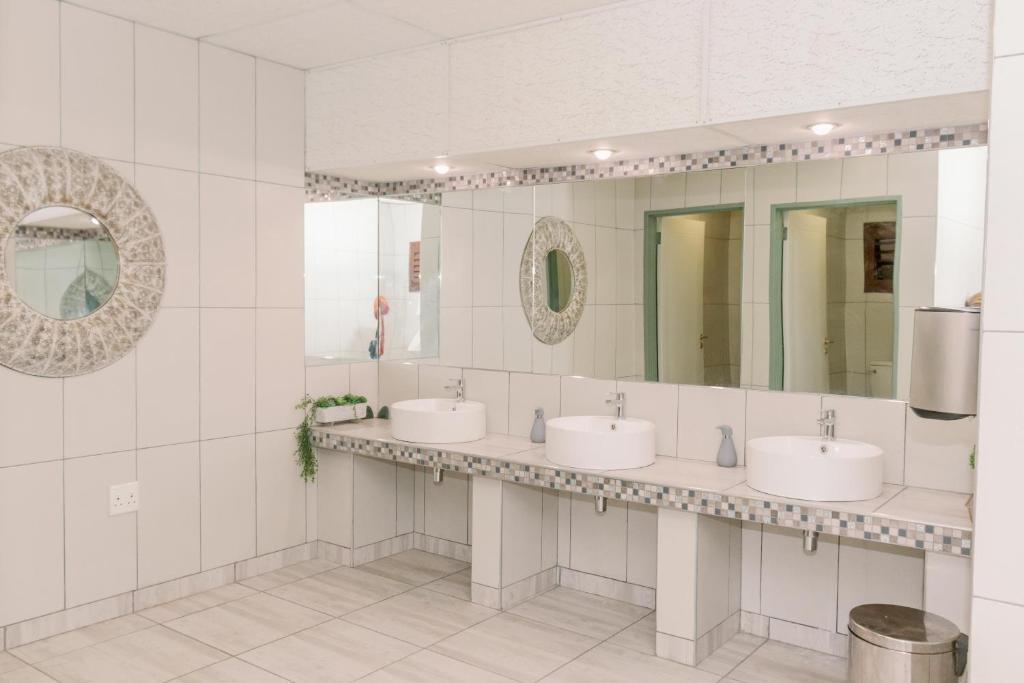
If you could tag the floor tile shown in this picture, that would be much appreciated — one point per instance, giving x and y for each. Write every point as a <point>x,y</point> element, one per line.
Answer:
<point>639,636</point>
<point>514,647</point>
<point>430,667</point>
<point>9,662</point>
<point>63,643</point>
<point>731,654</point>
<point>456,585</point>
<point>614,663</point>
<point>414,567</point>
<point>292,572</point>
<point>241,625</point>
<point>780,663</point>
<point>196,603</point>
<point>591,615</point>
<point>336,651</point>
<point>25,674</point>
<point>421,617</point>
<point>155,654</point>
<point>231,671</point>
<point>341,590</point>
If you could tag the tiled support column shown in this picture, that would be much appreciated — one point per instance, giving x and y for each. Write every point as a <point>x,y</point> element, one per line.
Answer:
<point>515,542</point>
<point>698,598</point>
<point>364,507</point>
<point>947,588</point>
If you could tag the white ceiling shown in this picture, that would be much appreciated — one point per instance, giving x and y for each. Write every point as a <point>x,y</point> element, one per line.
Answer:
<point>311,33</point>
<point>930,112</point>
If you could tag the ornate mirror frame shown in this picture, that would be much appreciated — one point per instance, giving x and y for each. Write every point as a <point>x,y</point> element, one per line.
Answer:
<point>550,326</point>
<point>31,342</point>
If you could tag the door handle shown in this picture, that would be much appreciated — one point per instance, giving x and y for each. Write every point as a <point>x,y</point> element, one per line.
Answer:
<point>700,340</point>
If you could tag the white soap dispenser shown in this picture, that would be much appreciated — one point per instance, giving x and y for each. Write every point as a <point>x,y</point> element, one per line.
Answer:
<point>727,449</point>
<point>538,433</point>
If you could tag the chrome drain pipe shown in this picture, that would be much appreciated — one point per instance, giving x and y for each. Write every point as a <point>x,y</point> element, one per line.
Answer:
<point>600,504</point>
<point>810,541</point>
<point>438,473</point>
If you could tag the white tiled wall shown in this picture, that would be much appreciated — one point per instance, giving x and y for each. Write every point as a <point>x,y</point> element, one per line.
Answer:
<point>214,141</point>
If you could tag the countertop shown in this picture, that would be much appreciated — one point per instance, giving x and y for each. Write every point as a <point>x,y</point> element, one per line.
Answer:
<point>926,519</point>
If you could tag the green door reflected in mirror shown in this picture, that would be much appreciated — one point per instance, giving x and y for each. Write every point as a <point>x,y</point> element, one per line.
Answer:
<point>559,280</point>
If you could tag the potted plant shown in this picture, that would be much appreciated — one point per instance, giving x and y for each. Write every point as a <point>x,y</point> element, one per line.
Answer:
<point>323,410</point>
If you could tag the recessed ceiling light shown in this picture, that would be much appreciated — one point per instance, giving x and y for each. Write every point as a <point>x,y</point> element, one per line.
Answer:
<point>823,128</point>
<point>602,154</point>
<point>441,167</point>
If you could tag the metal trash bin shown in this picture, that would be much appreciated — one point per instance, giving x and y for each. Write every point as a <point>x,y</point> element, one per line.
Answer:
<point>895,644</point>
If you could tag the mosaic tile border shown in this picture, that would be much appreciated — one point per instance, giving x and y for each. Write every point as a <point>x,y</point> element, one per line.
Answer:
<point>322,187</point>
<point>867,527</point>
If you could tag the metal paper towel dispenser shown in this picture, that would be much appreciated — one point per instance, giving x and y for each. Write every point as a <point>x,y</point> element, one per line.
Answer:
<point>944,366</point>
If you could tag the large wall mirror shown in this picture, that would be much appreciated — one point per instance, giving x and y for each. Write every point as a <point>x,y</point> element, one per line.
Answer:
<point>81,263</point>
<point>798,276</point>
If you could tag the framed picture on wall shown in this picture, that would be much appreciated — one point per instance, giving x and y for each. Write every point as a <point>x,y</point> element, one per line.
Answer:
<point>879,256</point>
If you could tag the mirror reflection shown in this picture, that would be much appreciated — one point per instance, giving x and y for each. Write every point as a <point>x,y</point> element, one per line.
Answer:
<point>559,280</point>
<point>62,262</point>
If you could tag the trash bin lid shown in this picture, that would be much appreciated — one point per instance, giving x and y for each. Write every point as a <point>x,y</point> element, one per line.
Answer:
<point>903,629</point>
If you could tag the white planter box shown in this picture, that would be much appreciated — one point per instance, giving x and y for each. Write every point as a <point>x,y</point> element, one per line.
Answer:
<point>340,413</point>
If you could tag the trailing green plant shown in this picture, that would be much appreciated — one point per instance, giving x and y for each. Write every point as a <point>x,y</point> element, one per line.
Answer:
<point>305,454</point>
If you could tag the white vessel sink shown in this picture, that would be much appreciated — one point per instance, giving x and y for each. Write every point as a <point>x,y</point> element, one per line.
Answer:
<point>438,420</point>
<point>600,443</point>
<point>810,468</point>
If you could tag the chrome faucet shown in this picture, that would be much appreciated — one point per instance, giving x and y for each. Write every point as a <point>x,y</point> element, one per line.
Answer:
<point>617,399</point>
<point>459,386</point>
<point>827,424</point>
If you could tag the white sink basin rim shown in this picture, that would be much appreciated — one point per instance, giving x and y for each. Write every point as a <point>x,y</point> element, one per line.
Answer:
<point>438,420</point>
<point>811,468</point>
<point>600,442</point>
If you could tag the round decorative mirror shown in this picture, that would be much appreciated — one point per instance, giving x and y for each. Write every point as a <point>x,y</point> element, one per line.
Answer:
<point>62,262</point>
<point>553,280</point>
<point>81,263</point>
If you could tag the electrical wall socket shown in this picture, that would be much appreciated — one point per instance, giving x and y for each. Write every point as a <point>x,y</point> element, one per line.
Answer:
<point>124,498</point>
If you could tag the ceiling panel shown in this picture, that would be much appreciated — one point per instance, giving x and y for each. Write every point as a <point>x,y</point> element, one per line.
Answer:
<point>197,18</point>
<point>339,32</point>
<point>454,18</point>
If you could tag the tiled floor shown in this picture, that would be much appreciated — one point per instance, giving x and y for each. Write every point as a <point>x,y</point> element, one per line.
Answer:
<point>403,618</point>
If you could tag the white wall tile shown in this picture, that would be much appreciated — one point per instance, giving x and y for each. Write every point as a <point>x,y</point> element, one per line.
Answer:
<point>677,598</point>
<point>876,421</point>
<point>994,642</point>
<point>487,200</point>
<point>434,380</point>
<point>96,83</point>
<point>491,389</point>
<point>604,203</point>
<point>642,544</point>
<point>528,392</point>
<point>915,177</point>
<point>760,336</point>
<point>517,200</point>
<point>166,99</point>
<point>701,411</point>
<point>750,584</point>
<point>668,191</point>
<point>877,573</point>
<point>280,260</point>
<point>487,343</point>
<point>398,381</point>
<point>657,403</point>
<point>737,184</point>
<point>947,587</point>
<point>446,508</point>
<point>865,177</point>
<point>517,229</point>
<point>583,343</point>
<point>487,258</point>
<point>99,410</point>
<point>228,495</point>
<point>334,513</point>
<point>604,278</point>
<point>32,577</point>
<point>101,550</point>
<point>457,336</point>
<point>625,261</point>
<point>583,203</point>
<point>818,180</point>
<point>374,501</point>
<point>516,339</point>
<point>917,262</point>
<point>227,380</point>
<point>762,235</point>
<point>174,198</point>
<point>541,356</point>
<point>625,200</point>
<point>625,336</point>
<point>773,184</point>
<point>459,200</point>
<point>704,188</point>
<point>364,381</point>
<point>168,513</point>
<point>774,413</point>
<point>405,489</point>
<point>521,532</point>
<point>280,124</point>
<point>30,88</point>
<point>585,396</point>
<point>227,241</point>
<point>798,586</point>
<point>938,452</point>
<point>280,493</point>
<point>168,379</point>
<point>486,531</point>
<point>32,408</point>
<point>554,200</point>
<point>280,370</point>
<point>227,112</point>
<point>456,258</point>
<point>598,541</point>
<point>604,347</point>
<point>327,380</point>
